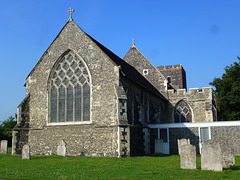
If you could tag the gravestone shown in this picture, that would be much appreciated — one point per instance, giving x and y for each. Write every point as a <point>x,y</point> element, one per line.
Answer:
<point>228,160</point>
<point>61,148</point>
<point>4,145</point>
<point>158,146</point>
<point>182,142</point>
<point>188,157</point>
<point>211,156</point>
<point>26,152</point>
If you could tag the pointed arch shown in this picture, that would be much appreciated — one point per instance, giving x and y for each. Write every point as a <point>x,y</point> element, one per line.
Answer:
<point>183,112</point>
<point>69,86</point>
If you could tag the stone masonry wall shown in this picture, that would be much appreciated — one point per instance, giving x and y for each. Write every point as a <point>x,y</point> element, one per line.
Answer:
<point>143,108</point>
<point>228,138</point>
<point>201,103</point>
<point>86,139</point>
<point>100,67</point>
<point>103,107</point>
<point>135,58</point>
<point>20,138</point>
<point>177,75</point>
<point>21,130</point>
<point>183,133</point>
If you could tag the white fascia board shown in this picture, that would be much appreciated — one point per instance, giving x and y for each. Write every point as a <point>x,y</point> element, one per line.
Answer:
<point>200,124</point>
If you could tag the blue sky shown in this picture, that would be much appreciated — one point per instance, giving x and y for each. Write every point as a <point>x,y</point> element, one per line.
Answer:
<point>202,35</point>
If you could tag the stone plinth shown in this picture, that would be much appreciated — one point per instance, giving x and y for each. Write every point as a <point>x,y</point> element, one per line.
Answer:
<point>4,145</point>
<point>188,157</point>
<point>211,156</point>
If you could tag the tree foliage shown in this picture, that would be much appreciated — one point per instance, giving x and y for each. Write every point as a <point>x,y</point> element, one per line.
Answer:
<point>6,128</point>
<point>227,92</point>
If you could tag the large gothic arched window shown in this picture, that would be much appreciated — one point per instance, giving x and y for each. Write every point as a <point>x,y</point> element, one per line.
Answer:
<point>69,90</point>
<point>183,112</point>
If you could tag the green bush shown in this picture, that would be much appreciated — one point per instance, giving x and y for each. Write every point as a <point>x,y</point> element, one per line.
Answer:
<point>6,129</point>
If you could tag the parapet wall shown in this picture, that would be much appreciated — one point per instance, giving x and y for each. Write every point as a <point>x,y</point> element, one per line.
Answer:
<point>199,101</point>
<point>170,67</point>
<point>194,94</point>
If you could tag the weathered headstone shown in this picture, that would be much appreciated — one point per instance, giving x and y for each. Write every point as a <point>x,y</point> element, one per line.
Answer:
<point>26,152</point>
<point>4,145</point>
<point>182,142</point>
<point>228,160</point>
<point>14,142</point>
<point>211,156</point>
<point>188,157</point>
<point>158,146</point>
<point>61,148</point>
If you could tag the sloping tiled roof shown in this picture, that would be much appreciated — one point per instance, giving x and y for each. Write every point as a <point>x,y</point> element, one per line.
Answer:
<point>128,71</point>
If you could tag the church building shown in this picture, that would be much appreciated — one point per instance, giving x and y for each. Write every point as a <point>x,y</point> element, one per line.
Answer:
<point>83,95</point>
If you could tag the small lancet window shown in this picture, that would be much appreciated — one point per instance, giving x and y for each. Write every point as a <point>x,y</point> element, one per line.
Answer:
<point>182,113</point>
<point>69,90</point>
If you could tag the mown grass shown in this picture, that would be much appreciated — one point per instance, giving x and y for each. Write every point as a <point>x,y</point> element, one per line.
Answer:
<point>157,167</point>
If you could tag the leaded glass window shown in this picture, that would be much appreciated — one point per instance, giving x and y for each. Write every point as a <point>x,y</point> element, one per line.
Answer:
<point>183,112</point>
<point>69,90</point>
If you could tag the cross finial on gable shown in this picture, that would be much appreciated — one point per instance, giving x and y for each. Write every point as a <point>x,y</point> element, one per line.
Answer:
<point>133,41</point>
<point>70,11</point>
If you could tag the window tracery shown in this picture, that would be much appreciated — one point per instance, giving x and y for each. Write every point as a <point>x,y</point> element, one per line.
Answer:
<point>183,112</point>
<point>69,90</point>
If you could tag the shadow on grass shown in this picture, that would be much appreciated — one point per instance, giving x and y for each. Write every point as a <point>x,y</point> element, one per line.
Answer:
<point>9,150</point>
<point>234,168</point>
<point>160,155</point>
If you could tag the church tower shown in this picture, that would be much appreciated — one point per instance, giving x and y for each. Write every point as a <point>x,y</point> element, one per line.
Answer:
<point>175,75</point>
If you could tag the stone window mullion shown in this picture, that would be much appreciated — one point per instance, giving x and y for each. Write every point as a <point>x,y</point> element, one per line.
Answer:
<point>57,105</point>
<point>74,104</point>
<point>66,104</point>
<point>82,104</point>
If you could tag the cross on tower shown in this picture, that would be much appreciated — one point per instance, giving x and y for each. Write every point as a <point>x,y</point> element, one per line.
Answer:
<point>70,11</point>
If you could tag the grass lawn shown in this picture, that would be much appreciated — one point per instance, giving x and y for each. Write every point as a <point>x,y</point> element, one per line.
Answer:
<point>158,167</point>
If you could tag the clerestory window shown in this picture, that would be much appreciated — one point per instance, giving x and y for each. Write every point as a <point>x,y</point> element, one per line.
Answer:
<point>69,90</point>
<point>183,112</point>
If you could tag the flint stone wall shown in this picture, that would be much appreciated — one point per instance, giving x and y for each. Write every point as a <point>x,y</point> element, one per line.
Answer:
<point>183,133</point>
<point>228,138</point>
<point>102,88</point>
<point>99,136</point>
<point>199,102</point>
<point>20,138</point>
<point>135,58</point>
<point>177,74</point>
<point>87,139</point>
